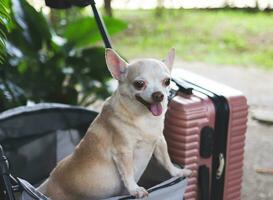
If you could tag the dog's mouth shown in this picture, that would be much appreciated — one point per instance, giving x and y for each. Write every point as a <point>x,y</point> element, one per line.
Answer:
<point>155,108</point>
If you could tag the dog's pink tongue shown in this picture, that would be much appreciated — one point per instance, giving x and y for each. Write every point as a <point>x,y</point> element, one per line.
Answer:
<point>156,109</point>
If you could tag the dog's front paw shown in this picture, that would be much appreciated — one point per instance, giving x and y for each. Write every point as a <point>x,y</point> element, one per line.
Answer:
<point>139,192</point>
<point>181,172</point>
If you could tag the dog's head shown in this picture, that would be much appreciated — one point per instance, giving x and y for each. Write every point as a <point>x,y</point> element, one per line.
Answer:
<point>144,82</point>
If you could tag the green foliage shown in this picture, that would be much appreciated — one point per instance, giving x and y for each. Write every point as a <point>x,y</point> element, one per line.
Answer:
<point>88,32</point>
<point>221,36</point>
<point>10,95</point>
<point>4,19</point>
<point>51,68</point>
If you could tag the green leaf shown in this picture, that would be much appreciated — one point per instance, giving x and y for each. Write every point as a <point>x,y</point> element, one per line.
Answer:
<point>90,63</point>
<point>90,72</point>
<point>4,18</point>
<point>31,25</point>
<point>84,31</point>
<point>10,95</point>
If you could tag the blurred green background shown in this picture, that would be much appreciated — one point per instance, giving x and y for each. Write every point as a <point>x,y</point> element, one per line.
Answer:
<point>52,55</point>
<point>222,36</point>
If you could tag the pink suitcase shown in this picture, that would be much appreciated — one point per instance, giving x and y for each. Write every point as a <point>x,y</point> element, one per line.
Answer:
<point>205,130</point>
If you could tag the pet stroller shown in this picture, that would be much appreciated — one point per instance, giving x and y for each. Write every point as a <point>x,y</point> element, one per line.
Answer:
<point>36,137</point>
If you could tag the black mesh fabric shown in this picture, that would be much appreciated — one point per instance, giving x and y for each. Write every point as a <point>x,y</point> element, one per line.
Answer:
<point>36,137</point>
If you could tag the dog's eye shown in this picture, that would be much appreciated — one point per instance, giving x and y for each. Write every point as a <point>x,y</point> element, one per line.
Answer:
<point>167,82</point>
<point>139,84</point>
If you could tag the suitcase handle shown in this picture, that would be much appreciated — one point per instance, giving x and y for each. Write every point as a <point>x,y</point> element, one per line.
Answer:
<point>183,86</point>
<point>206,142</point>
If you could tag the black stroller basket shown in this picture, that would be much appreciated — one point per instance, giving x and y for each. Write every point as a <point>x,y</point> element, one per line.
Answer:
<point>35,138</point>
<point>10,185</point>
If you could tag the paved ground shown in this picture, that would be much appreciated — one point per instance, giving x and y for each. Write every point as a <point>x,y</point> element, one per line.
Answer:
<point>257,85</point>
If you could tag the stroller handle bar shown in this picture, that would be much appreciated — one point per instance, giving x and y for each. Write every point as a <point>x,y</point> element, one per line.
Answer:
<point>101,26</point>
<point>64,4</point>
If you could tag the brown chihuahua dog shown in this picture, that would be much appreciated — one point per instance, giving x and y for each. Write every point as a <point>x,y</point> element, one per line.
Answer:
<point>120,142</point>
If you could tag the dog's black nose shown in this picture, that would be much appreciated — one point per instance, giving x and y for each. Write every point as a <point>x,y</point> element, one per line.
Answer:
<point>157,96</point>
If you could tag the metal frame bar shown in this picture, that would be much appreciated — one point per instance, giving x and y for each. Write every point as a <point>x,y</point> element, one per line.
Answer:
<point>101,25</point>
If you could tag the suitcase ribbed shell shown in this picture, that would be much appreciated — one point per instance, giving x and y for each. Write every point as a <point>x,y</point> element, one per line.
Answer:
<point>185,118</point>
<point>235,147</point>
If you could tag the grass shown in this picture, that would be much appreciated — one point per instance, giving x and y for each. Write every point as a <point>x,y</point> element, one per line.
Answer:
<point>222,36</point>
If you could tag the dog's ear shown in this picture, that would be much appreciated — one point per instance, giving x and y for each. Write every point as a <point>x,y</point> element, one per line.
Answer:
<point>170,59</point>
<point>116,65</point>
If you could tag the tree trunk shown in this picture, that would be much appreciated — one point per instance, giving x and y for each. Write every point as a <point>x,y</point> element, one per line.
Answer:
<point>159,8</point>
<point>108,8</point>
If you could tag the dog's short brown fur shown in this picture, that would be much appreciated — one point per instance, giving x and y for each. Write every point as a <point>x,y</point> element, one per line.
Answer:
<point>120,142</point>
